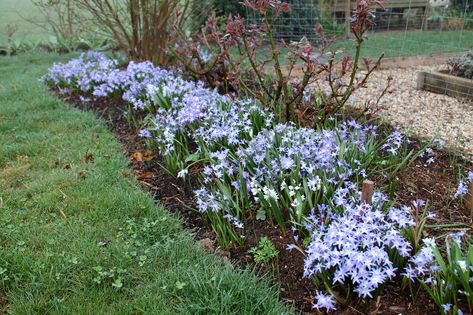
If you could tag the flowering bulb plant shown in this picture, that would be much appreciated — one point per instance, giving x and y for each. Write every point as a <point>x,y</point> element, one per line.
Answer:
<point>95,75</point>
<point>356,247</point>
<point>131,83</point>
<point>463,183</point>
<point>302,179</point>
<point>81,75</point>
<point>191,122</point>
<point>285,172</point>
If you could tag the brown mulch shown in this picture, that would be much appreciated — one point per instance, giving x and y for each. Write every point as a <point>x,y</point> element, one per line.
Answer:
<point>434,182</point>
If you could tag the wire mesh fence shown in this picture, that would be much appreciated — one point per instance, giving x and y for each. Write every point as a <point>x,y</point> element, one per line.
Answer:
<point>403,27</point>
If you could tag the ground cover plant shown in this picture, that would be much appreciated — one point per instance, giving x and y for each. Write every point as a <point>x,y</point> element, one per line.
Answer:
<point>306,182</point>
<point>79,236</point>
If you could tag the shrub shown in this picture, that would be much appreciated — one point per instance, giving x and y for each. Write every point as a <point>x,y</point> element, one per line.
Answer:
<point>141,28</point>
<point>462,66</point>
<point>68,23</point>
<point>238,57</point>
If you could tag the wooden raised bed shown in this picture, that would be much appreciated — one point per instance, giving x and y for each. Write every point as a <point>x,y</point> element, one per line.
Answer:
<point>445,84</point>
<point>340,5</point>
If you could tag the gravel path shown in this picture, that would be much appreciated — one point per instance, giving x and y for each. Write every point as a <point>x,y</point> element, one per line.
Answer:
<point>424,113</point>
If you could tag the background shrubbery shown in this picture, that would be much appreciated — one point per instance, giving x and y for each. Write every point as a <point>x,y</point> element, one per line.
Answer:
<point>462,66</point>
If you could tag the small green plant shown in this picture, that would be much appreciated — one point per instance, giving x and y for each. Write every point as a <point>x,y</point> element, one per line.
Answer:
<point>415,232</point>
<point>114,276</point>
<point>265,252</point>
<point>452,281</point>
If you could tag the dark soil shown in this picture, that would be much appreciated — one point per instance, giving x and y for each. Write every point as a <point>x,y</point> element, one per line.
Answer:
<point>435,183</point>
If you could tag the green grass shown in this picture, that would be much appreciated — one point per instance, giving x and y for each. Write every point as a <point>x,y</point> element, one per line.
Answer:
<point>14,12</point>
<point>78,236</point>
<point>401,44</point>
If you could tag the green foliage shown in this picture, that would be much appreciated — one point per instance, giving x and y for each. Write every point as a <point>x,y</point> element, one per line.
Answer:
<point>265,252</point>
<point>202,10</point>
<point>451,283</point>
<point>226,7</point>
<point>462,66</point>
<point>462,5</point>
<point>17,46</point>
<point>332,28</point>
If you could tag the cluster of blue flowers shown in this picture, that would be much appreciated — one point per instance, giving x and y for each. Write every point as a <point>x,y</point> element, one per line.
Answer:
<point>81,75</point>
<point>209,119</point>
<point>288,166</point>
<point>179,107</point>
<point>253,167</point>
<point>95,75</point>
<point>356,244</point>
<point>448,280</point>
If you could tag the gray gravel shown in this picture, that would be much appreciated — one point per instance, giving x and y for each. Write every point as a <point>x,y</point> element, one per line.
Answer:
<point>422,113</point>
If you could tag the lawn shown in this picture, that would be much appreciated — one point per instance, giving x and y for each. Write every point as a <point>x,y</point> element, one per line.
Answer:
<point>79,236</point>
<point>14,12</point>
<point>412,43</point>
<point>398,44</point>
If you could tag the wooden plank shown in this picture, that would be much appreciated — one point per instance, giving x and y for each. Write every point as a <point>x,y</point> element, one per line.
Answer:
<point>393,4</point>
<point>445,84</point>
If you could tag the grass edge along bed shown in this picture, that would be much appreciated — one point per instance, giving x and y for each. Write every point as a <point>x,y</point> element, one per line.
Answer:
<point>77,233</point>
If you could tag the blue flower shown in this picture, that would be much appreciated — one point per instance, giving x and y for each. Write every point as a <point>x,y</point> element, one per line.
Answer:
<point>461,190</point>
<point>287,163</point>
<point>144,133</point>
<point>323,301</point>
<point>446,307</point>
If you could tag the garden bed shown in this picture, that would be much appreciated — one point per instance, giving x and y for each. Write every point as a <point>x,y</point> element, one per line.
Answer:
<point>420,180</point>
<point>284,198</point>
<point>444,83</point>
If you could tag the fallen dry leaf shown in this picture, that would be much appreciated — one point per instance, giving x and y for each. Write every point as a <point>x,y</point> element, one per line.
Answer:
<point>146,175</point>
<point>137,156</point>
<point>63,214</point>
<point>148,155</point>
<point>207,244</point>
<point>143,156</point>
